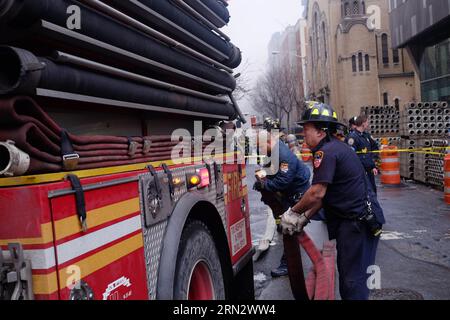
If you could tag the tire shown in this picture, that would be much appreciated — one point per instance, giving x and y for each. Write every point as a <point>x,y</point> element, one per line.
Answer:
<point>198,274</point>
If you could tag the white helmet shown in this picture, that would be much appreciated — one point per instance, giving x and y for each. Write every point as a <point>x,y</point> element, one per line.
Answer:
<point>291,138</point>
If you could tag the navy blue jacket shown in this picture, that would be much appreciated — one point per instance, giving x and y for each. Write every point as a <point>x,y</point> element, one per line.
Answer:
<point>363,144</point>
<point>348,185</point>
<point>292,176</point>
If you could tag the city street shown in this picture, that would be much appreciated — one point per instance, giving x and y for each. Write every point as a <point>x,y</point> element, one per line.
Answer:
<point>413,255</point>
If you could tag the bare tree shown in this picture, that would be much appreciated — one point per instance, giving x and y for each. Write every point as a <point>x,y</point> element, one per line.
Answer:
<point>242,82</point>
<point>278,93</point>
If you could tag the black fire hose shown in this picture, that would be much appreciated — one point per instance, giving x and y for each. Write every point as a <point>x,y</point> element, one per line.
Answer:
<point>212,10</point>
<point>23,73</point>
<point>22,15</point>
<point>138,8</point>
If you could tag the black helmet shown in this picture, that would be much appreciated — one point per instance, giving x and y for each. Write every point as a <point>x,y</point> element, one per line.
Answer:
<point>271,124</point>
<point>352,121</point>
<point>319,112</point>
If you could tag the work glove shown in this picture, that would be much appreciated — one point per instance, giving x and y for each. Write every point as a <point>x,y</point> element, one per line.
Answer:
<point>292,222</point>
<point>259,185</point>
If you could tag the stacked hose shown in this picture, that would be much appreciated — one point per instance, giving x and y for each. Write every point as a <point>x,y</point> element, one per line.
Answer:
<point>115,38</point>
<point>146,55</point>
<point>26,128</point>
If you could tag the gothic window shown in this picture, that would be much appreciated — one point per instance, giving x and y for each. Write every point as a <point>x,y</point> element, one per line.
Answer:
<point>385,98</point>
<point>385,50</point>
<point>363,6</point>
<point>360,61</point>
<point>367,61</point>
<point>316,31</point>
<point>347,9</point>
<point>395,56</point>
<point>355,7</point>
<point>354,63</point>
<point>324,40</point>
<point>397,103</point>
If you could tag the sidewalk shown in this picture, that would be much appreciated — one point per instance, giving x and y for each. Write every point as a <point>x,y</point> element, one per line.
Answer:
<point>414,252</point>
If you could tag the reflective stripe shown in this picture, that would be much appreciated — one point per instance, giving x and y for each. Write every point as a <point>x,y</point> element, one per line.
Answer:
<point>41,259</point>
<point>389,160</point>
<point>391,173</point>
<point>447,174</point>
<point>447,190</point>
<point>79,246</point>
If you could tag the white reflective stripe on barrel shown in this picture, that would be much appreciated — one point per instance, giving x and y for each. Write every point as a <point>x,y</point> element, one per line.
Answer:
<point>391,173</point>
<point>389,160</point>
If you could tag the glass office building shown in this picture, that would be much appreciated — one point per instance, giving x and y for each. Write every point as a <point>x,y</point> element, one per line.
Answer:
<point>435,72</point>
<point>423,27</point>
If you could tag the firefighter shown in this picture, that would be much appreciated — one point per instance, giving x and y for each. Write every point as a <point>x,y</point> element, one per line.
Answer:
<point>351,124</point>
<point>340,185</point>
<point>362,142</point>
<point>290,180</point>
<point>292,143</point>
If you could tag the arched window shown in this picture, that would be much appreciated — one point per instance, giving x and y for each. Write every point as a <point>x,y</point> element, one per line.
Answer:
<point>360,61</point>
<point>316,31</point>
<point>354,63</point>
<point>385,98</point>
<point>324,40</point>
<point>395,56</point>
<point>367,61</point>
<point>347,9</point>
<point>363,7</point>
<point>355,7</point>
<point>397,103</point>
<point>385,48</point>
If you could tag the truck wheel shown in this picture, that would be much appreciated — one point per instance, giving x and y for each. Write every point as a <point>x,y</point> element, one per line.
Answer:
<point>198,274</point>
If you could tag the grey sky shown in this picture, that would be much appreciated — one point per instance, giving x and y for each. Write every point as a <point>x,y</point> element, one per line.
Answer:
<point>252,24</point>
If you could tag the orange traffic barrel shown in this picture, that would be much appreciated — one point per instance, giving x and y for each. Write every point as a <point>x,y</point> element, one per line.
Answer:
<point>306,153</point>
<point>390,165</point>
<point>447,178</point>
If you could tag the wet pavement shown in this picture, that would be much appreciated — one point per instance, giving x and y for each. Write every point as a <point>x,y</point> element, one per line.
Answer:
<point>413,255</point>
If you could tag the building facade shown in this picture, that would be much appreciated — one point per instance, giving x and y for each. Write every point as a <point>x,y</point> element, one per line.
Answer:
<point>423,29</point>
<point>350,59</point>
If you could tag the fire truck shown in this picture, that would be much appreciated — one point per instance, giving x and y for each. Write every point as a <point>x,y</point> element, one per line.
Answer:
<point>93,204</point>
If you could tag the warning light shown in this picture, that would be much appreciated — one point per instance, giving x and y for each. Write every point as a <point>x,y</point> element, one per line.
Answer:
<point>177,181</point>
<point>195,180</point>
<point>204,177</point>
<point>200,179</point>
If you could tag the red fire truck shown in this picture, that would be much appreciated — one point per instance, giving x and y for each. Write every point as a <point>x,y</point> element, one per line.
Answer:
<point>173,232</point>
<point>140,230</point>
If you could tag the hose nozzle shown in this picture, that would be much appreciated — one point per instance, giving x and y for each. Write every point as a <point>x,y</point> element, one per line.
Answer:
<point>13,161</point>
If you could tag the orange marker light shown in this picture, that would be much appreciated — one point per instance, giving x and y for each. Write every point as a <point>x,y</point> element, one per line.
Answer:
<point>177,181</point>
<point>194,180</point>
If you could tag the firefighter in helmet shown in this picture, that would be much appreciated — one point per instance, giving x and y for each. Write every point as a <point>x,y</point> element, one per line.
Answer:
<point>340,185</point>
<point>362,142</point>
<point>289,180</point>
<point>291,141</point>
